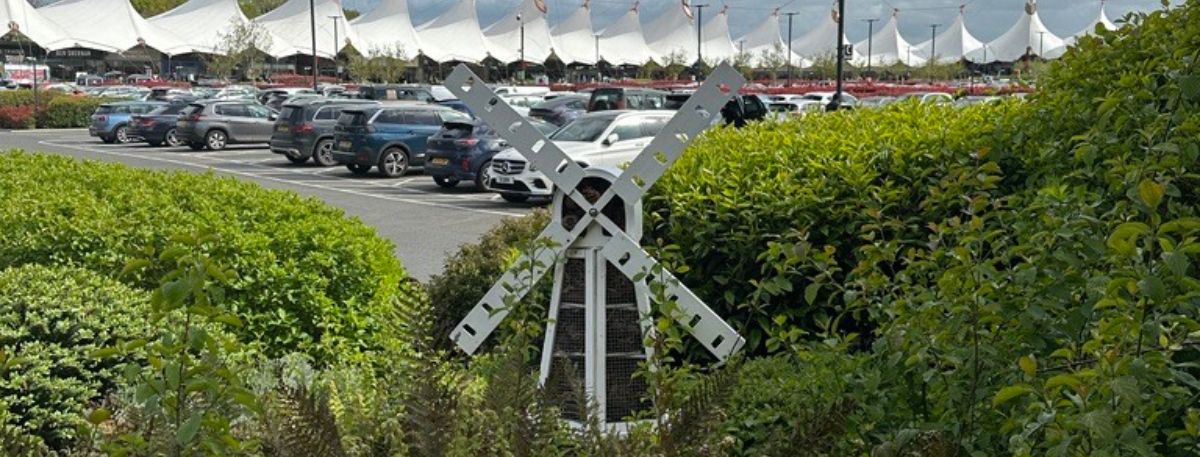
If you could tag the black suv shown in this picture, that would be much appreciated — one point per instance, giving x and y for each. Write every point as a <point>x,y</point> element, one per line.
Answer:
<point>304,129</point>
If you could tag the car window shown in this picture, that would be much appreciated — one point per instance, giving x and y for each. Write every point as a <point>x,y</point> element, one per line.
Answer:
<point>655,102</point>
<point>121,109</point>
<point>633,101</point>
<point>257,111</point>
<point>390,116</point>
<point>327,113</point>
<point>584,129</point>
<point>424,118</point>
<point>230,110</point>
<point>652,125</point>
<point>577,104</point>
<point>627,129</point>
<point>454,116</point>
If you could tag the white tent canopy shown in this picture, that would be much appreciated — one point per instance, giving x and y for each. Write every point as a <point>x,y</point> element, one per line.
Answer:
<point>454,36</point>
<point>673,33</point>
<point>953,44</point>
<point>1028,36</point>
<point>821,41</point>
<point>1101,20</point>
<point>203,24</point>
<point>291,22</point>
<point>387,28</point>
<point>765,41</point>
<point>717,45</point>
<point>573,39</point>
<point>622,43</point>
<point>888,47</point>
<point>504,37</point>
<point>112,24</point>
<point>22,18</point>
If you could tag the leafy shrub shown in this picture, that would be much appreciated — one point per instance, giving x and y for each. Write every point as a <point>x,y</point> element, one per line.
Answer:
<point>309,279</point>
<point>52,321</point>
<point>471,271</point>
<point>24,97</point>
<point>16,117</point>
<point>68,112</point>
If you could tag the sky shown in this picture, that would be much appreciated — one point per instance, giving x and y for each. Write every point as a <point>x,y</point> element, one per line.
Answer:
<point>986,19</point>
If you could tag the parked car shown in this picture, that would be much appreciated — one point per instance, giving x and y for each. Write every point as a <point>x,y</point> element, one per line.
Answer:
<point>215,124</point>
<point>560,110</point>
<point>825,98</point>
<point>236,93</point>
<point>158,127</point>
<point>386,92</point>
<point>276,101</point>
<point>110,121</point>
<point>168,93</point>
<point>304,128</point>
<point>626,98</point>
<point>463,149</point>
<point>125,92</point>
<point>522,103</point>
<point>789,109</point>
<point>976,100</point>
<point>266,96</point>
<point>878,101</point>
<point>458,105</point>
<point>938,98</point>
<point>540,91</point>
<point>392,137</point>
<point>606,138</point>
<point>742,109</point>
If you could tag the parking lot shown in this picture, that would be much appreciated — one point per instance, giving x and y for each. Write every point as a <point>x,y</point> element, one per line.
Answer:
<point>424,221</point>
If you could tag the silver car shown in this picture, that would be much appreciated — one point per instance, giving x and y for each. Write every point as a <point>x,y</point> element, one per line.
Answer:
<point>214,124</point>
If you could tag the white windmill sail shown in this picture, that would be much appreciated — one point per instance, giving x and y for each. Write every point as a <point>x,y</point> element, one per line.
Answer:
<point>454,36</point>
<point>1101,20</point>
<point>765,39</point>
<point>112,24</point>
<point>1029,36</point>
<point>573,39</point>
<point>673,32</point>
<point>953,44</point>
<point>820,42</point>
<point>20,17</point>
<point>203,24</point>
<point>504,37</point>
<point>387,28</point>
<point>622,43</point>
<point>291,22</point>
<point>888,47</point>
<point>717,45</point>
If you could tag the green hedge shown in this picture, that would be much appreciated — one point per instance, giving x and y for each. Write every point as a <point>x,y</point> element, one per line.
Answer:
<point>310,279</point>
<point>68,112</point>
<point>24,97</point>
<point>52,319</point>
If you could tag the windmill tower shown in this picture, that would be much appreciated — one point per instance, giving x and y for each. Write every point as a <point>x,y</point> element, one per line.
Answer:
<point>598,312</point>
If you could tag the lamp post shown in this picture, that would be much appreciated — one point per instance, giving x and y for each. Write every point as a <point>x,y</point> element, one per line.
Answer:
<point>789,56</point>
<point>336,44</point>
<point>521,20</point>
<point>598,74</point>
<point>699,36</point>
<point>870,40</point>
<point>312,24</point>
<point>36,104</point>
<point>932,50</point>
<point>841,56</point>
<point>1041,44</point>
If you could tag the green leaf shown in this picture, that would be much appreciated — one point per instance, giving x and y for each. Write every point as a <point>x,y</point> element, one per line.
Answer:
<point>175,291</point>
<point>810,293</point>
<point>1028,365</point>
<point>98,415</point>
<point>1063,380</point>
<point>188,430</point>
<point>1189,87</point>
<point>1008,393</point>
<point>104,353</point>
<point>1124,239</point>
<point>134,265</point>
<point>1151,193</point>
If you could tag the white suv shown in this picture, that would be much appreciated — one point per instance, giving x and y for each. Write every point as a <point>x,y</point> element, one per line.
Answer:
<point>604,138</point>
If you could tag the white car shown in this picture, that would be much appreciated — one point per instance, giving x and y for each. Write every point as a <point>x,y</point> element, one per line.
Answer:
<point>825,97</point>
<point>603,138</point>
<point>797,108</point>
<point>522,103</point>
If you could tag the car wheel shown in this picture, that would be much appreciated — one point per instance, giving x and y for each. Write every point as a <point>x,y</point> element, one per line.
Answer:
<point>108,139</point>
<point>445,182</point>
<point>121,134</point>
<point>515,198</point>
<point>172,138</point>
<point>483,176</point>
<point>358,169</point>
<point>195,146</point>
<point>323,153</point>
<point>215,140</point>
<point>393,162</point>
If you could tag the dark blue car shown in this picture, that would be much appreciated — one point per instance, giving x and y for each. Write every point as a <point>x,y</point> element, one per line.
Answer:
<point>110,121</point>
<point>158,126</point>
<point>391,137</point>
<point>463,151</point>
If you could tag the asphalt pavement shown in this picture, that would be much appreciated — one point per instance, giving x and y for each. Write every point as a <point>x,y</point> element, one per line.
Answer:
<point>425,222</point>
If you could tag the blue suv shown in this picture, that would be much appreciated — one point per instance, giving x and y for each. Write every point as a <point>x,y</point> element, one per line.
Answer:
<point>391,137</point>
<point>463,151</point>
<point>110,122</point>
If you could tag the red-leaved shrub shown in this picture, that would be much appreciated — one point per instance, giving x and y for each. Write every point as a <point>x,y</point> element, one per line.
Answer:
<point>16,117</point>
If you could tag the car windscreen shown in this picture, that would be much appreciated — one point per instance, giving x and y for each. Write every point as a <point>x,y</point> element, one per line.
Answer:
<point>103,109</point>
<point>585,129</point>
<point>291,113</point>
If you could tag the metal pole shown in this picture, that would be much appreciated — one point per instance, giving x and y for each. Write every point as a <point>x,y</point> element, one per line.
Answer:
<point>932,50</point>
<point>699,34</point>
<point>312,24</point>
<point>336,43</point>
<point>841,56</point>
<point>789,56</point>
<point>36,102</point>
<point>1041,44</point>
<point>522,21</point>
<point>870,40</point>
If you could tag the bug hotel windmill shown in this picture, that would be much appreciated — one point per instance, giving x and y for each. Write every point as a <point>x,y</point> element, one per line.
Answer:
<point>598,311</point>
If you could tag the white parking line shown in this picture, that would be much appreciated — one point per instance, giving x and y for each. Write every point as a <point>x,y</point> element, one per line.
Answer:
<point>279,180</point>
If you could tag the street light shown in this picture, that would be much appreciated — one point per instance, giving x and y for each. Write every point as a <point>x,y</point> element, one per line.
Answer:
<point>841,56</point>
<point>336,44</point>
<point>699,38</point>
<point>521,20</point>
<point>1041,44</point>
<point>870,40</point>
<point>312,24</point>
<point>932,50</point>
<point>789,66</point>
<point>36,104</point>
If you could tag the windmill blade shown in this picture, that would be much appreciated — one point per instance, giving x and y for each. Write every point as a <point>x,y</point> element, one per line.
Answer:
<point>666,147</point>
<point>520,134</point>
<point>713,333</point>
<point>514,284</point>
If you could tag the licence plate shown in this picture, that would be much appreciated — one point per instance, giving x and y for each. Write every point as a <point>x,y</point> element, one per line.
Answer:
<point>503,180</point>
<point>440,161</point>
<point>344,145</point>
<point>282,128</point>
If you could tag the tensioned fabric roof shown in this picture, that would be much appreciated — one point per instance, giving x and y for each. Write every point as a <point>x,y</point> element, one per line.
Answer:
<point>291,22</point>
<point>22,18</point>
<point>1101,20</point>
<point>203,24</point>
<point>888,47</point>
<point>1028,36</point>
<point>673,34</point>
<point>573,39</point>
<point>821,41</point>
<point>504,37</point>
<point>387,28</point>
<point>953,44</point>
<point>454,36</point>
<point>717,45</point>
<point>111,25</point>
<point>622,43</point>
<point>765,40</point>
